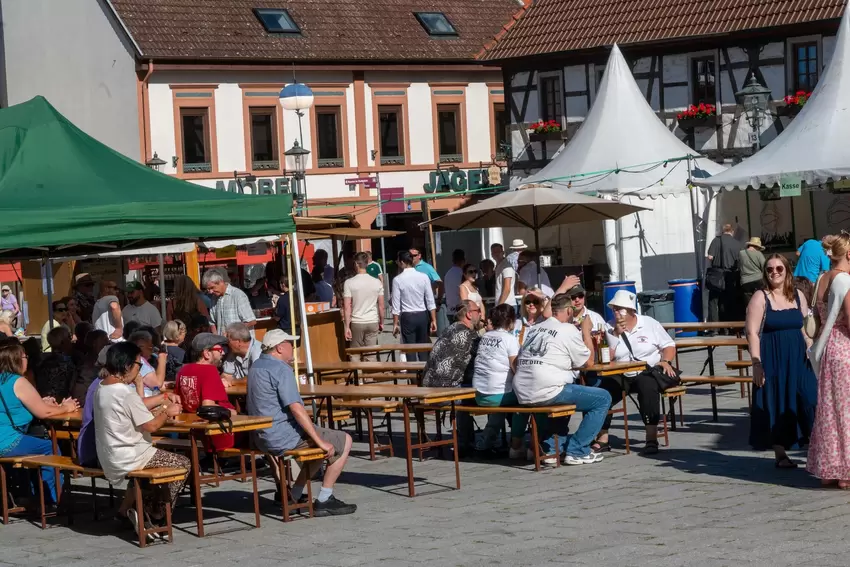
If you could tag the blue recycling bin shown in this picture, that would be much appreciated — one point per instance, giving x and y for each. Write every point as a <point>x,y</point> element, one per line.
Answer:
<point>687,303</point>
<point>608,291</point>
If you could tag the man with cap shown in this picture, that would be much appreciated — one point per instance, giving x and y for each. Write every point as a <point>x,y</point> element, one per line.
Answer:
<point>140,309</point>
<point>637,337</point>
<point>84,295</point>
<point>577,296</point>
<point>8,302</point>
<point>106,313</point>
<point>273,391</point>
<point>198,383</point>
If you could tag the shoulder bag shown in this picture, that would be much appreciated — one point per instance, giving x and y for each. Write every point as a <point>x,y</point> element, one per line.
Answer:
<point>17,428</point>
<point>664,381</point>
<point>216,414</point>
<point>811,321</point>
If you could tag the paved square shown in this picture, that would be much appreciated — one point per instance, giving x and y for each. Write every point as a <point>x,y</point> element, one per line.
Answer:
<point>706,501</point>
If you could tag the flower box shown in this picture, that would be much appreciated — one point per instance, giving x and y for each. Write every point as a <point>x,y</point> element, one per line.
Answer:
<point>789,110</point>
<point>794,103</point>
<point>692,122</point>
<point>547,136</point>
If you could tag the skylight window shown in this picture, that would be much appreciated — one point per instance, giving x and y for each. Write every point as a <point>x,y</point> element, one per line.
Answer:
<point>277,20</point>
<point>435,23</point>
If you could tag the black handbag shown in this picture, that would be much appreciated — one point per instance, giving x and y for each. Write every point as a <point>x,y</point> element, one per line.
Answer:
<point>715,279</point>
<point>664,381</point>
<point>216,414</point>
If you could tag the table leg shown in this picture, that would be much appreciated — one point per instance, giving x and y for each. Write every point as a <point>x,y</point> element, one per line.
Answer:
<point>196,484</point>
<point>454,445</point>
<point>56,472</point>
<point>714,403</point>
<point>408,450</point>
<point>330,405</point>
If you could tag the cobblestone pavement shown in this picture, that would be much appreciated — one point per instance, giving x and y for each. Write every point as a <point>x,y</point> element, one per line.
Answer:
<point>706,501</point>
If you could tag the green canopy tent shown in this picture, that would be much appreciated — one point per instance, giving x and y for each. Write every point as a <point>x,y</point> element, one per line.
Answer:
<point>64,193</point>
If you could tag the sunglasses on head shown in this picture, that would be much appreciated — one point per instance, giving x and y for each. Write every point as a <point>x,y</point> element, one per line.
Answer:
<point>775,269</point>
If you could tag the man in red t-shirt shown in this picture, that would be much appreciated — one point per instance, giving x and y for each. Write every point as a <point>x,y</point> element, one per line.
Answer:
<point>199,383</point>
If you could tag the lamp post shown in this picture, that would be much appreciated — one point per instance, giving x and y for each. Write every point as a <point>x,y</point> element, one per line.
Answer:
<point>296,161</point>
<point>155,162</point>
<point>298,97</point>
<point>754,98</point>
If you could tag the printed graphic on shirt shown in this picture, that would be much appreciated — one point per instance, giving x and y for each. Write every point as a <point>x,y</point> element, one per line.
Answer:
<point>188,390</point>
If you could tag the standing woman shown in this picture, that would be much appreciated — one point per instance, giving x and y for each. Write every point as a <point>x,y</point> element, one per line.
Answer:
<point>829,452</point>
<point>187,301</point>
<point>469,290</point>
<point>785,389</point>
<point>751,262</point>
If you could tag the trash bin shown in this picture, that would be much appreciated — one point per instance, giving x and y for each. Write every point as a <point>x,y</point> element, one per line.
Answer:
<point>657,304</point>
<point>608,291</point>
<point>687,302</point>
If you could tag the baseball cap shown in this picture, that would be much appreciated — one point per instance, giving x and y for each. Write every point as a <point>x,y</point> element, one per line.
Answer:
<point>83,279</point>
<point>203,341</point>
<point>6,288</point>
<point>575,290</point>
<point>275,337</point>
<point>134,286</point>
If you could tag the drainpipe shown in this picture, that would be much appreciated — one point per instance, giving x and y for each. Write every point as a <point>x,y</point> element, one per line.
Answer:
<point>144,109</point>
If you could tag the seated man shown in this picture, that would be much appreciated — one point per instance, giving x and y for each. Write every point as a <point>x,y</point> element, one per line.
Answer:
<point>637,337</point>
<point>244,351</point>
<point>273,391</point>
<point>577,296</point>
<point>56,373</point>
<point>199,384</point>
<point>547,367</point>
<point>452,363</point>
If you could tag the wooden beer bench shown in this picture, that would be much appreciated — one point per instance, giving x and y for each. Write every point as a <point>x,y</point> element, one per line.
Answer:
<point>714,381</point>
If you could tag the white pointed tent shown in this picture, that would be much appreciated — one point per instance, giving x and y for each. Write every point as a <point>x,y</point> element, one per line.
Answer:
<point>816,145</point>
<point>622,131</point>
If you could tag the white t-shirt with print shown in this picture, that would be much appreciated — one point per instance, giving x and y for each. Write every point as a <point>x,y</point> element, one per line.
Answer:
<point>504,270</point>
<point>493,373</point>
<point>648,339</point>
<point>102,316</point>
<point>122,446</point>
<point>545,364</point>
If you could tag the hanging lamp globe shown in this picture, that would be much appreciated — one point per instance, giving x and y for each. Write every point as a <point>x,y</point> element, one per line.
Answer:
<point>296,96</point>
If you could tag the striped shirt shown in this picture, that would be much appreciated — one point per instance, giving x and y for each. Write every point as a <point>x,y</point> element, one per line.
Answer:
<point>232,307</point>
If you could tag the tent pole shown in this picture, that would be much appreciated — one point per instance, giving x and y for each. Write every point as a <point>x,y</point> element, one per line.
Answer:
<point>305,333</point>
<point>694,225</point>
<point>290,267</point>
<point>621,269</point>
<point>162,309</point>
<point>536,247</point>
<point>48,276</point>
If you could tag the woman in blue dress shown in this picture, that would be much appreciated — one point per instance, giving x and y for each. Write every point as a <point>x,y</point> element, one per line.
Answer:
<point>785,389</point>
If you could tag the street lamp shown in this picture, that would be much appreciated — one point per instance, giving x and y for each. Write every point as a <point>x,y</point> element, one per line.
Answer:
<point>754,98</point>
<point>155,162</point>
<point>298,97</point>
<point>296,161</point>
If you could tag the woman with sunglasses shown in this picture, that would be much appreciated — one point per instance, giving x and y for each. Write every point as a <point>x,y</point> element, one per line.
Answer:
<point>785,389</point>
<point>535,309</point>
<point>469,290</point>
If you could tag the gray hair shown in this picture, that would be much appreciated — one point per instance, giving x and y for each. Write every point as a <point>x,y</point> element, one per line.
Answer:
<point>464,306</point>
<point>215,275</point>
<point>171,330</point>
<point>137,336</point>
<point>238,332</point>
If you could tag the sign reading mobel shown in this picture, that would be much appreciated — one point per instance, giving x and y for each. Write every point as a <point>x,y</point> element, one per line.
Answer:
<point>276,186</point>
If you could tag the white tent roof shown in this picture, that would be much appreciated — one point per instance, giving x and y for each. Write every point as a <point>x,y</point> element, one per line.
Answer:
<point>816,145</point>
<point>622,130</point>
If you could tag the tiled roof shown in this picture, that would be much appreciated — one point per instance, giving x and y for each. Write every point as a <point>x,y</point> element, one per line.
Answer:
<point>552,26</point>
<point>332,30</point>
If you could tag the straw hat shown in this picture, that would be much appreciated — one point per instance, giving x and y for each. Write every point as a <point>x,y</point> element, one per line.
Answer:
<point>755,242</point>
<point>518,244</point>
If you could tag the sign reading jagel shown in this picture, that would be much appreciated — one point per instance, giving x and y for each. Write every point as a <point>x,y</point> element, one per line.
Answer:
<point>442,181</point>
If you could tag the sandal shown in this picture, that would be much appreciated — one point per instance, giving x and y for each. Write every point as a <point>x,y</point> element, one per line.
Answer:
<point>785,463</point>
<point>650,448</point>
<point>600,447</point>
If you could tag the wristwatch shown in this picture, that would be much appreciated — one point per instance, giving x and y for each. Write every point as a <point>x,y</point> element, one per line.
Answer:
<point>670,362</point>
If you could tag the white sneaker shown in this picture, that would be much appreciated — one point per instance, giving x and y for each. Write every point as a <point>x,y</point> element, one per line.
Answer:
<point>516,454</point>
<point>548,461</point>
<point>586,460</point>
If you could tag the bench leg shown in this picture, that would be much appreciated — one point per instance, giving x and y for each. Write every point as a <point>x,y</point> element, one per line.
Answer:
<point>535,445</point>
<point>672,413</point>
<point>714,403</point>
<point>626,424</point>
<point>453,417</point>
<point>390,434</point>
<point>168,521</point>
<point>140,512</point>
<point>372,440</point>
<point>253,485</point>
<point>196,485</point>
<point>283,473</point>
<point>94,499</point>
<point>309,486</point>
<point>664,420</point>
<point>5,494</point>
<point>41,497</point>
<point>681,412</point>
<point>411,491</point>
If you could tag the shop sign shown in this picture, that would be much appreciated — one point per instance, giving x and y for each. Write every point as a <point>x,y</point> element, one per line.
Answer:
<point>225,253</point>
<point>790,186</point>
<point>442,181</point>
<point>262,186</point>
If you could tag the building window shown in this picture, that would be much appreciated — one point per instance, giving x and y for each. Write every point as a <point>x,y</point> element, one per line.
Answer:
<point>448,133</point>
<point>264,150</point>
<point>436,23</point>
<point>329,136</point>
<point>392,135</point>
<point>195,129</point>
<point>702,80</point>
<point>501,124</point>
<point>277,21</point>
<point>805,66</point>
<point>550,98</point>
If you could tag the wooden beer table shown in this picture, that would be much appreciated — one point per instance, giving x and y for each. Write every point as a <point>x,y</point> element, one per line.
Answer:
<point>737,326</point>
<point>409,395</point>
<point>355,370</point>
<point>185,424</point>
<point>693,344</point>
<point>390,349</point>
<point>613,368</point>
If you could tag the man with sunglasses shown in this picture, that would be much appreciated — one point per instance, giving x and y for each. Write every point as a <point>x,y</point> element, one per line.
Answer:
<point>577,296</point>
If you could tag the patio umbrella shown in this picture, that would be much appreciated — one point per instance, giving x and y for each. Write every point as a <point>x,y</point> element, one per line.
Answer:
<point>535,207</point>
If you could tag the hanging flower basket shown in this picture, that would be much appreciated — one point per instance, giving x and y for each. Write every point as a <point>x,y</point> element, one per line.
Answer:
<point>702,116</point>
<point>547,136</point>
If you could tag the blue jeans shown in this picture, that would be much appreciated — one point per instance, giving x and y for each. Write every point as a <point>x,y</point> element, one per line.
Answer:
<point>34,446</point>
<point>593,403</point>
<point>519,422</point>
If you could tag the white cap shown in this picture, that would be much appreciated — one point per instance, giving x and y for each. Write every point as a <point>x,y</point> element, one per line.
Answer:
<point>275,337</point>
<point>624,299</point>
<point>518,244</point>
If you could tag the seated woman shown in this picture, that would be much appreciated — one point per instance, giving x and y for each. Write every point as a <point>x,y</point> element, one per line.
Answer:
<point>123,427</point>
<point>174,333</point>
<point>492,379</point>
<point>636,337</point>
<point>20,403</point>
<point>534,305</point>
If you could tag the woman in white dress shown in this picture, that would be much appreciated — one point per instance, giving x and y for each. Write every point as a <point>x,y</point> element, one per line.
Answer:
<point>468,289</point>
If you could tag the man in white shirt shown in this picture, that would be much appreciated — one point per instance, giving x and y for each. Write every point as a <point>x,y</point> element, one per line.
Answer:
<point>452,281</point>
<point>547,367</point>
<point>412,303</point>
<point>652,344</point>
<point>577,296</point>
<point>505,277</point>
<point>106,313</point>
<point>363,306</point>
<point>140,309</point>
<point>529,275</point>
